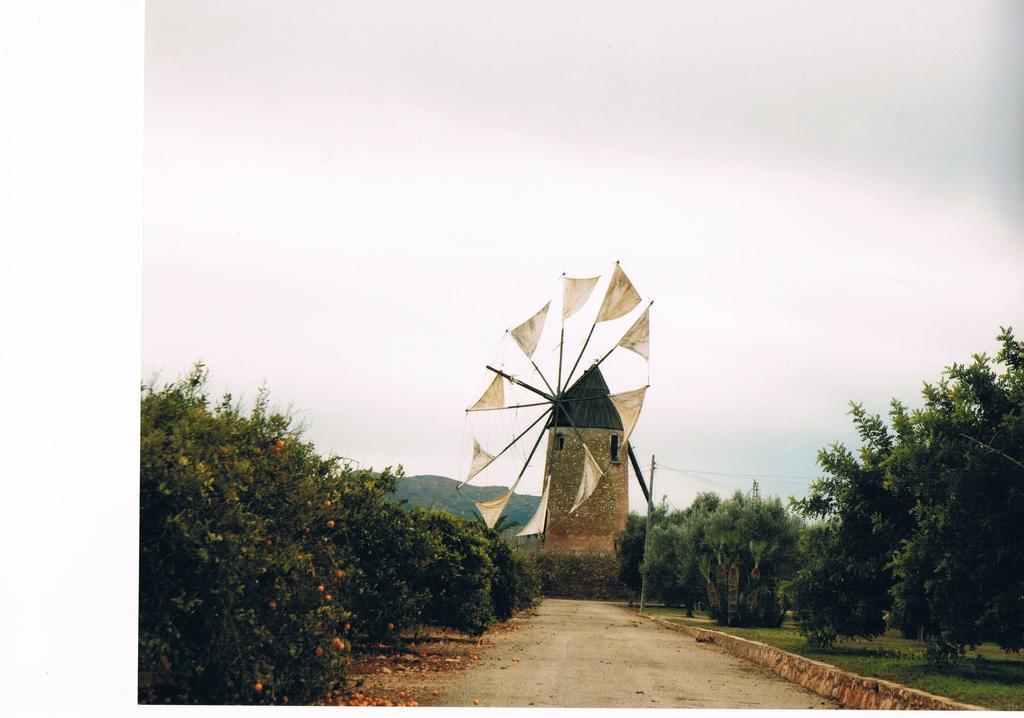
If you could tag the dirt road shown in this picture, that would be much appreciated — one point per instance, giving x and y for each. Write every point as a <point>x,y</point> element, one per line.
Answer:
<point>590,654</point>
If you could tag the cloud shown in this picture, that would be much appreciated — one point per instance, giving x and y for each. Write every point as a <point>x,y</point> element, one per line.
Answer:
<point>354,206</point>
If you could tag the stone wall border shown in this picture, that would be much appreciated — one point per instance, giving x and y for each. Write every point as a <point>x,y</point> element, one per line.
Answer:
<point>849,689</point>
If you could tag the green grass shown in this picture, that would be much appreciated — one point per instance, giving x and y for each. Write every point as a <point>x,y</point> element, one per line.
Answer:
<point>988,677</point>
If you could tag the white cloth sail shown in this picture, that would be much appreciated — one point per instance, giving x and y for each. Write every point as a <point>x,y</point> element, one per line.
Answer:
<point>628,404</point>
<point>481,459</point>
<point>592,474</point>
<point>536,523</point>
<point>620,298</point>
<point>491,510</point>
<point>493,398</point>
<point>638,338</point>
<point>527,334</point>
<point>575,293</point>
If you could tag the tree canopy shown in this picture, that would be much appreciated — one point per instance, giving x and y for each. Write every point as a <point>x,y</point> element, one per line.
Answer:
<point>926,525</point>
<point>731,555</point>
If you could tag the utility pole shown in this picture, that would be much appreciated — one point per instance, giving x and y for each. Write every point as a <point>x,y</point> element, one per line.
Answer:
<point>647,538</point>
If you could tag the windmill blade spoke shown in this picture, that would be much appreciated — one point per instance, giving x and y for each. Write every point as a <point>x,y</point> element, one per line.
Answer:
<point>519,382</point>
<point>526,464</point>
<point>561,343</point>
<point>571,425</point>
<point>542,403</point>
<point>607,354</point>
<point>514,406</point>
<point>512,443</point>
<point>543,378</point>
<point>591,368</point>
<point>568,380</point>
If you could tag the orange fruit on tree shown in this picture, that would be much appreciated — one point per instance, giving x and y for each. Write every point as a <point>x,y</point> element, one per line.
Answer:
<point>391,626</point>
<point>327,503</point>
<point>348,626</point>
<point>330,524</point>
<point>319,651</point>
<point>268,543</point>
<point>327,597</point>
<point>320,588</point>
<point>273,605</point>
<point>257,686</point>
<point>279,443</point>
<point>339,573</point>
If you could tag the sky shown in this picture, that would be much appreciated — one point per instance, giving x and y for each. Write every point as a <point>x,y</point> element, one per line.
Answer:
<point>351,202</point>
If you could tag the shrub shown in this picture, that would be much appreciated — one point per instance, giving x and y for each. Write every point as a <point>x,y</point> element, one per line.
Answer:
<point>828,589</point>
<point>260,561</point>
<point>629,548</point>
<point>229,603</point>
<point>516,582</point>
<point>580,574</point>
<point>386,553</point>
<point>460,574</point>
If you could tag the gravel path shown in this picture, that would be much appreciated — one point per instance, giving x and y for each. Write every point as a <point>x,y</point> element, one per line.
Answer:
<point>591,654</point>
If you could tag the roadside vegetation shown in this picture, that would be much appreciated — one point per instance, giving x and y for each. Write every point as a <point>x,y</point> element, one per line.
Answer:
<point>914,540</point>
<point>986,676</point>
<point>584,575</point>
<point>923,529</point>
<point>730,556</point>
<point>263,565</point>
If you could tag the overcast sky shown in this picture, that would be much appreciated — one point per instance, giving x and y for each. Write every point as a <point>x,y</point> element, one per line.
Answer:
<point>352,202</point>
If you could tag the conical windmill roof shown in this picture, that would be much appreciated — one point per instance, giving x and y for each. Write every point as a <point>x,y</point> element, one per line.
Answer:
<point>594,410</point>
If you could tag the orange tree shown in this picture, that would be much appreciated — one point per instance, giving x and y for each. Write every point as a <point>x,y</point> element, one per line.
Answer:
<point>387,554</point>
<point>236,587</point>
<point>406,566</point>
<point>516,584</point>
<point>260,561</point>
<point>461,573</point>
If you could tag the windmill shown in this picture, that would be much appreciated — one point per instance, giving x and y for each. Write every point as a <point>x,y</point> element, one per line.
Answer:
<point>584,484</point>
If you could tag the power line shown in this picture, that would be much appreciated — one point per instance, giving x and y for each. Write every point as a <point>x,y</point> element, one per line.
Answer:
<point>742,475</point>
<point>737,475</point>
<point>711,482</point>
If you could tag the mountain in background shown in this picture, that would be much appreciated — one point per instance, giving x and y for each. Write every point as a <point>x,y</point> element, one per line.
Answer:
<point>439,492</point>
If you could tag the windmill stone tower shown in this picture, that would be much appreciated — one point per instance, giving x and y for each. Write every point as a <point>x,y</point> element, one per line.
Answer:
<point>594,525</point>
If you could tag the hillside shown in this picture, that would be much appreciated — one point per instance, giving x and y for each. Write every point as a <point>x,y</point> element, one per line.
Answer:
<point>439,492</point>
